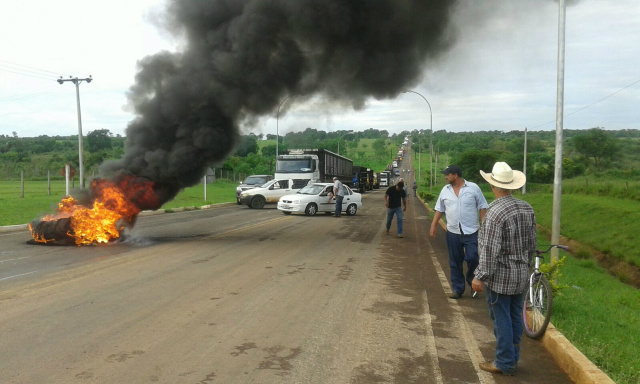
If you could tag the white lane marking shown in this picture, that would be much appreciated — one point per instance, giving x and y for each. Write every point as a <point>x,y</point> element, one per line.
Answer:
<point>432,350</point>
<point>461,323</point>
<point>22,274</point>
<point>19,258</point>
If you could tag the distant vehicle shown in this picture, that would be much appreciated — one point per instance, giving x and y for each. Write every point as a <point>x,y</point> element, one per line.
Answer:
<point>314,198</point>
<point>362,179</point>
<point>252,181</point>
<point>314,165</point>
<point>270,192</point>
<point>384,179</point>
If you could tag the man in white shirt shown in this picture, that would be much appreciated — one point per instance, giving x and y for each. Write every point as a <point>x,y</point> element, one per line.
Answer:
<point>338,193</point>
<point>463,203</point>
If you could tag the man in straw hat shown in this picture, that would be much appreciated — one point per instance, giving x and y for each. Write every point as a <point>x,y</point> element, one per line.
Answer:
<point>464,206</point>
<point>506,244</point>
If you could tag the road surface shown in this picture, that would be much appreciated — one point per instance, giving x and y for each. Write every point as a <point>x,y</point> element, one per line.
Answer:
<point>236,295</point>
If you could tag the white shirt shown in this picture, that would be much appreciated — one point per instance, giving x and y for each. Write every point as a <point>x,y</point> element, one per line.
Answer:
<point>462,211</point>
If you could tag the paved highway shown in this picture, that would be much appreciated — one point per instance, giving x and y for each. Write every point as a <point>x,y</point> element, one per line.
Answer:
<point>236,295</point>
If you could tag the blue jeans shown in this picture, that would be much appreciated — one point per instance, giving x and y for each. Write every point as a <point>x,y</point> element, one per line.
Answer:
<point>506,313</point>
<point>339,205</point>
<point>462,248</point>
<point>398,212</point>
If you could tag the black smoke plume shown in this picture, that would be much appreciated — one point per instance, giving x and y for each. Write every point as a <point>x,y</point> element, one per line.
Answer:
<point>241,58</point>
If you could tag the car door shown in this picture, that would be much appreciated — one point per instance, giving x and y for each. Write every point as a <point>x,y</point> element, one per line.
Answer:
<point>324,205</point>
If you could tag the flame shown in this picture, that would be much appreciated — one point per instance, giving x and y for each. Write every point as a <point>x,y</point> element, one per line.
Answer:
<point>113,207</point>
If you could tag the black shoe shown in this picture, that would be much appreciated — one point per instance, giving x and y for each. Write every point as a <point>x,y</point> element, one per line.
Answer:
<point>455,295</point>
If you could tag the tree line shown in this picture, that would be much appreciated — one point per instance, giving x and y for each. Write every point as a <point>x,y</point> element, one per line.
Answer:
<point>592,151</point>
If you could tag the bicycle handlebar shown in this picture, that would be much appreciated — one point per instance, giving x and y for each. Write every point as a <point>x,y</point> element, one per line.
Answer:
<point>539,252</point>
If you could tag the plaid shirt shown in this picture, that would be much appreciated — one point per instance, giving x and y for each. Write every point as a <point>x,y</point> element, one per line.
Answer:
<point>506,244</point>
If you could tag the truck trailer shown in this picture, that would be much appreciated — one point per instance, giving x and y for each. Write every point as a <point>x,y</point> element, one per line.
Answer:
<point>315,165</point>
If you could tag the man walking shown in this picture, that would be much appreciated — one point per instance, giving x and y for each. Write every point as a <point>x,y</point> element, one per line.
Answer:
<point>507,242</point>
<point>463,203</point>
<point>338,193</point>
<point>394,199</point>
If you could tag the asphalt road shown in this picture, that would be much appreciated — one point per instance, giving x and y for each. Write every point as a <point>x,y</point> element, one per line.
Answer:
<point>236,295</point>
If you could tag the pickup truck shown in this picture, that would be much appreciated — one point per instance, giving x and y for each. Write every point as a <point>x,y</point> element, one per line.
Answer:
<point>271,192</point>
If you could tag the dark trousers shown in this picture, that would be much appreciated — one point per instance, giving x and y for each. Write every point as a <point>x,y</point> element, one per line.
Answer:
<point>462,248</point>
<point>339,205</point>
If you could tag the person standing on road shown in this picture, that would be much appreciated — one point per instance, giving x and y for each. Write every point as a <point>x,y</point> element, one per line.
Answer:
<point>396,203</point>
<point>462,202</point>
<point>507,242</point>
<point>415,187</point>
<point>338,193</point>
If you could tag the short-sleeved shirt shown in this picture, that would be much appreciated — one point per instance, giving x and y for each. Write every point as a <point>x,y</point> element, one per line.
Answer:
<point>338,185</point>
<point>462,210</point>
<point>506,243</point>
<point>395,196</point>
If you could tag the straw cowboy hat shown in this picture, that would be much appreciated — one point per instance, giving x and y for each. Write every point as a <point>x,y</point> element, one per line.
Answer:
<point>502,176</point>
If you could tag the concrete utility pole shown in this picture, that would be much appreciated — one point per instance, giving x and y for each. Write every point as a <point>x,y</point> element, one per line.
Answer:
<point>557,178</point>
<point>77,82</point>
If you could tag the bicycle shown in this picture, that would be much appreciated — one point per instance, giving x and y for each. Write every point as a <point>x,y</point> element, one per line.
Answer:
<point>538,301</point>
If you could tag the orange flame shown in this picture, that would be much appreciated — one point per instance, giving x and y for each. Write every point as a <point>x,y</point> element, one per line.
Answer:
<point>112,209</point>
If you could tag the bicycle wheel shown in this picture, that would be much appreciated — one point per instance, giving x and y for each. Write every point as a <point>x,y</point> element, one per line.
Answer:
<point>538,304</point>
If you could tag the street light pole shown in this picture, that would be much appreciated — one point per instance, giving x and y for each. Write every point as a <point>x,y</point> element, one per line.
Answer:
<point>430,142</point>
<point>277,128</point>
<point>77,81</point>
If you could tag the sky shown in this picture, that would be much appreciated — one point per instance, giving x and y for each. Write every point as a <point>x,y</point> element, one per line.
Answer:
<point>501,74</point>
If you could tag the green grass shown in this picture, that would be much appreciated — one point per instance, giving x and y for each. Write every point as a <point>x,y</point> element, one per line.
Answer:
<point>36,202</point>
<point>599,315</point>
<point>607,224</point>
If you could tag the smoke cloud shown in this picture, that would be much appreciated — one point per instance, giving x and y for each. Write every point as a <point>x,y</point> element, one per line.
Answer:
<point>241,58</point>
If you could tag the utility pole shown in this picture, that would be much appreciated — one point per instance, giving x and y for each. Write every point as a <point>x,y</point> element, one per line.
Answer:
<point>77,81</point>
<point>557,178</point>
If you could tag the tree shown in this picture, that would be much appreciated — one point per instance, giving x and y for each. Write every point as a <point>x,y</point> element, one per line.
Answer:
<point>597,145</point>
<point>99,140</point>
<point>247,145</point>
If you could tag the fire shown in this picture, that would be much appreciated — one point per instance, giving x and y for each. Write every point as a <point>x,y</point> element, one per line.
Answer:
<point>114,206</point>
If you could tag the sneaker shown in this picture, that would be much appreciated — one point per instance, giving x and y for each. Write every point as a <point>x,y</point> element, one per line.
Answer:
<point>400,235</point>
<point>387,231</point>
<point>455,295</point>
<point>490,367</point>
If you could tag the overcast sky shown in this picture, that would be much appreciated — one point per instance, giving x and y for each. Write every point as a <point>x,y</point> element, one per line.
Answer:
<point>500,75</point>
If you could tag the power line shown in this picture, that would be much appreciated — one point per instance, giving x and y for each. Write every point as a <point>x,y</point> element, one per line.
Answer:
<point>25,70</point>
<point>590,105</point>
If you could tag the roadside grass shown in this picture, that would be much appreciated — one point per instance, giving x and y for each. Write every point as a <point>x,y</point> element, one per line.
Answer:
<point>599,315</point>
<point>37,203</point>
<point>607,224</point>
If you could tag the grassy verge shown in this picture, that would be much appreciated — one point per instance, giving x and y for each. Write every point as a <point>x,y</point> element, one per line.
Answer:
<point>37,202</point>
<point>599,315</point>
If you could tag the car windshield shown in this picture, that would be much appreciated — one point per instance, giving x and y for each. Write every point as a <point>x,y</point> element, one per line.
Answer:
<point>311,190</point>
<point>255,180</point>
<point>268,184</point>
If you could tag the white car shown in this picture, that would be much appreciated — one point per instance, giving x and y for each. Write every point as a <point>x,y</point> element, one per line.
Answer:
<point>314,198</point>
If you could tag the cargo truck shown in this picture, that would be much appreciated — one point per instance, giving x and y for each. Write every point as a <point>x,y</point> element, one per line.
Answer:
<point>314,165</point>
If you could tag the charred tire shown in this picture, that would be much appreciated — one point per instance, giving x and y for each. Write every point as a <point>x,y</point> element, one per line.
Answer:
<point>311,209</point>
<point>258,202</point>
<point>352,209</point>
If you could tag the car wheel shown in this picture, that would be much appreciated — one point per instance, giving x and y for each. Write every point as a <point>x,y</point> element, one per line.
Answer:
<point>352,209</point>
<point>257,202</point>
<point>311,209</point>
